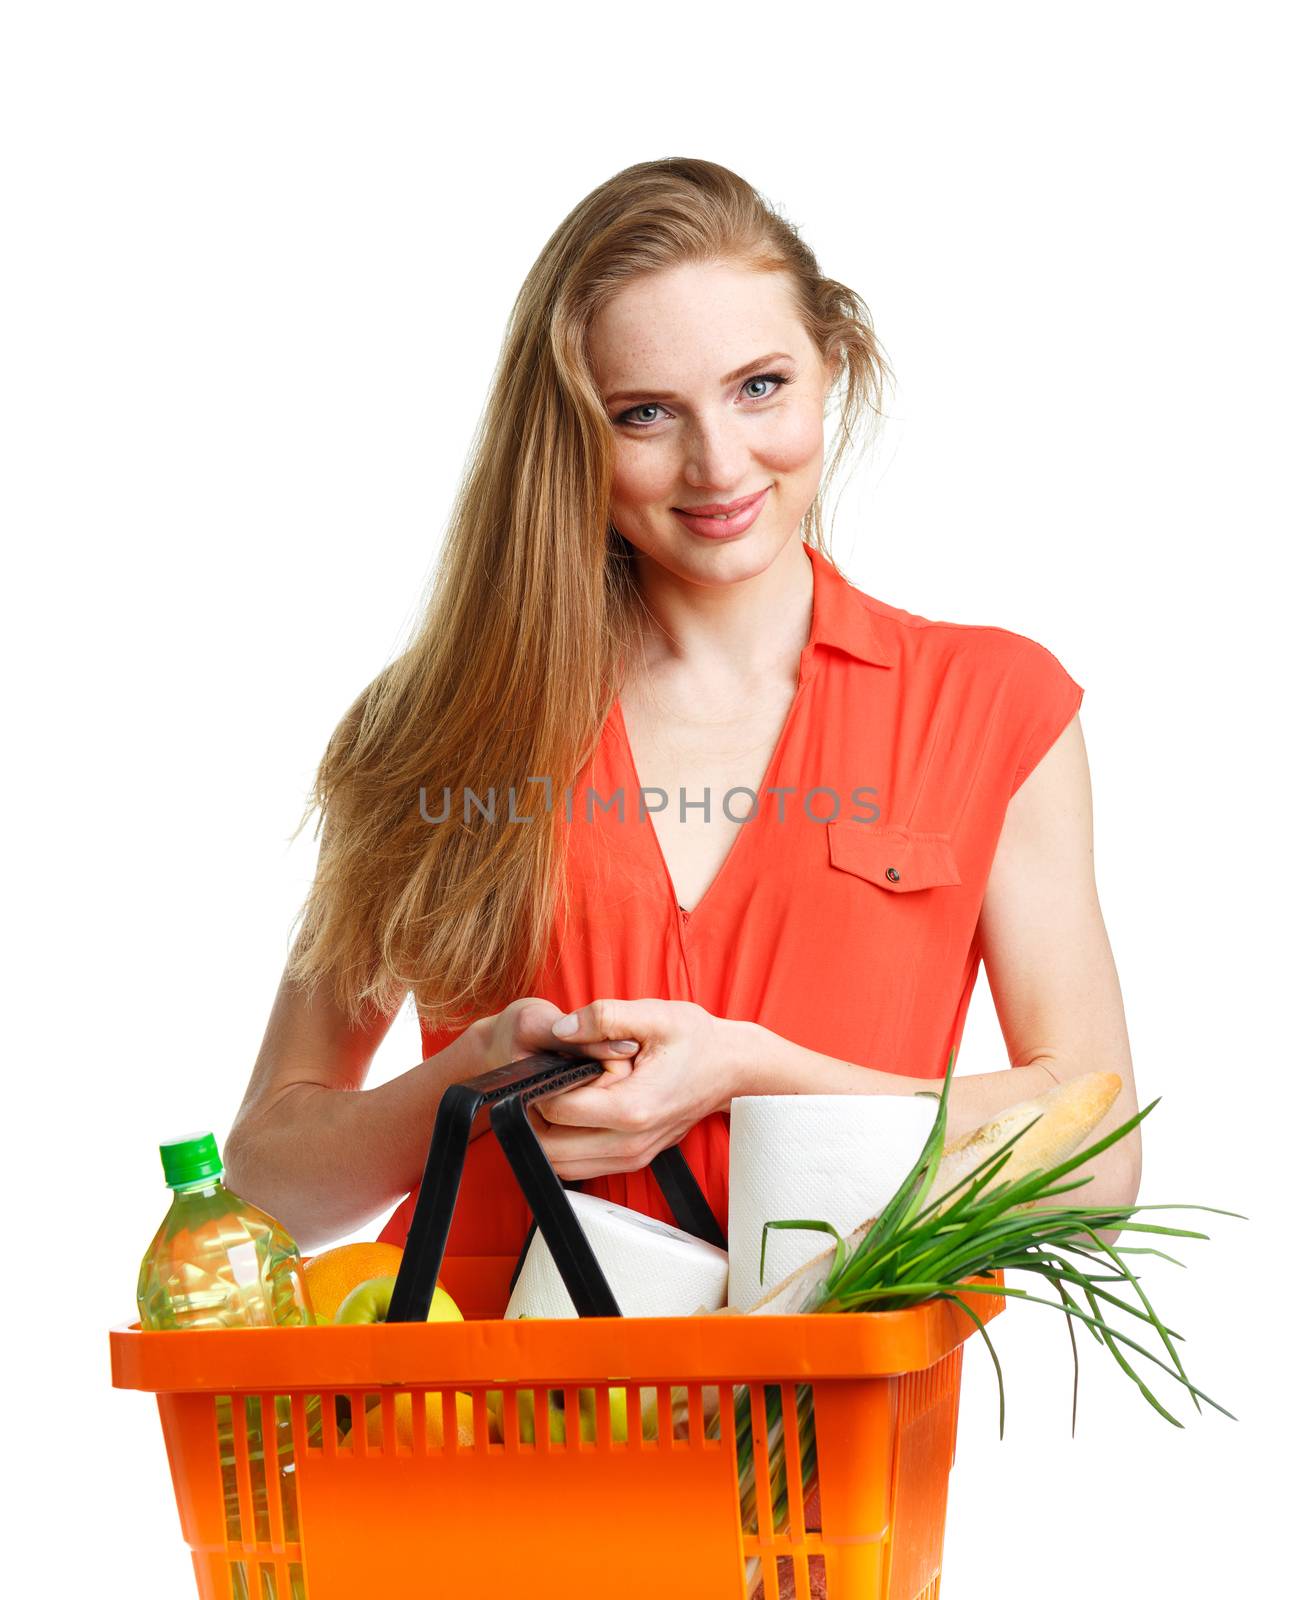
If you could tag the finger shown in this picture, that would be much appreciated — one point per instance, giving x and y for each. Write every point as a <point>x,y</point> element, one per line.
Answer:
<point>589,1152</point>
<point>611,1072</point>
<point>611,1051</point>
<point>533,1032</point>
<point>531,1027</point>
<point>538,1037</point>
<point>595,1105</point>
<point>620,1158</point>
<point>610,1019</point>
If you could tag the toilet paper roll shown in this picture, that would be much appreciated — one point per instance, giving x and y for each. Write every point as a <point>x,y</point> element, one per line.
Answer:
<point>837,1158</point>
<point>655,1270</point>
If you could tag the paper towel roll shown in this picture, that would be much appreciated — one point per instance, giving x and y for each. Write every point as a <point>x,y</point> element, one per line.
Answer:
<point>655,1270</point>
<point>837,1158</point>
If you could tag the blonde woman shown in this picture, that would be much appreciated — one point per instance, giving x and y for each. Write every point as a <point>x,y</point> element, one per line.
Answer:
<point>635,599</point>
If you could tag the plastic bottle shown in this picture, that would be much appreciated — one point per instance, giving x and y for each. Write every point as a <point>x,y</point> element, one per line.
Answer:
<point>219,1262</point>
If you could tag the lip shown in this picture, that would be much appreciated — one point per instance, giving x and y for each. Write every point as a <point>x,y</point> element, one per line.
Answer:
<point>717,507</point>
<point>742,514</point>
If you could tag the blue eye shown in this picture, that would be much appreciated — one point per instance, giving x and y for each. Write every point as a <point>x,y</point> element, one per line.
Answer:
<point>776,379</point>
<point>765,377</point>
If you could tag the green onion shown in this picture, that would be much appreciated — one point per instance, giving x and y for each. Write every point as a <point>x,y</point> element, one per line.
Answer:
<point>916,1251</point>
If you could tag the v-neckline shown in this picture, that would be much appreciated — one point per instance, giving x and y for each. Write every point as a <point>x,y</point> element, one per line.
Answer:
<point>689,916</point>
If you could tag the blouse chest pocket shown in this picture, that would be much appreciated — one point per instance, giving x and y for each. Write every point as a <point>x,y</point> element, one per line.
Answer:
<point>893,858</point>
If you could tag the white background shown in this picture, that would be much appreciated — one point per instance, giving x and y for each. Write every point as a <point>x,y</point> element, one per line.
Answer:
<point>259,260</point>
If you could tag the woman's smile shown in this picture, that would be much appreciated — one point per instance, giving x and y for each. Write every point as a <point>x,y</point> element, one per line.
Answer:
<point>740,515</point>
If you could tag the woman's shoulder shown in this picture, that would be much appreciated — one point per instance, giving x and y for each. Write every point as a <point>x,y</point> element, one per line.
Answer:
<point>926,642</point>
<point>1001,689</point>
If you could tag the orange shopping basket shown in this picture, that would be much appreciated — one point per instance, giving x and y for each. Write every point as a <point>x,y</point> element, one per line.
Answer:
<point>703,1443</point>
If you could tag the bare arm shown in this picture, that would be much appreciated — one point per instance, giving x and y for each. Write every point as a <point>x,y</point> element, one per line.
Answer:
<point>313,1147</point>
<point>1048,958</point>
<point>1051,974</point>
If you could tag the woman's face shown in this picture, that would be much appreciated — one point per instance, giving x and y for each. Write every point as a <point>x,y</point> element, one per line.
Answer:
<point>716,394</point>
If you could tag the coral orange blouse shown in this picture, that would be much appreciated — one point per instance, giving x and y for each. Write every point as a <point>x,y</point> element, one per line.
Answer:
<point>845,916</point>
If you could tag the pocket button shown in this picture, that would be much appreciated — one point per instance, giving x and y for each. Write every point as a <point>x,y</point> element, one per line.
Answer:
<point>894,859</point>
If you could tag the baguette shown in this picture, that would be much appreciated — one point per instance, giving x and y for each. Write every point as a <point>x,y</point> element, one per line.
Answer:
<point>1067,1115</point>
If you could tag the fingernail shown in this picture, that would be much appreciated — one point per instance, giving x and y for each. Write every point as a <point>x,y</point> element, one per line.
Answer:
<point>564,1026</point>
<point>629,1045</point>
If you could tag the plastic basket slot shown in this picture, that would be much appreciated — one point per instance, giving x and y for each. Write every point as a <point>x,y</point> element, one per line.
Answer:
<point>566,1403</point>
<point>797,1414</point>
<point>354,1441</point>
<point>246,1487</point>
<point>329,1427</point>
<point>390,1432</point>
<point>260,1452</point>
<point>665,1432</point>
<point>259,1487</point>
<point>222,1417</point>
<point>695,1421</point>
<point>764,1526</point>
<point>306,1412</point>
<point>601,1417</point>
<point>275,1579</point>
<point>647,1399</point>
<point>797,1577</point>
<point>657,1418</point>
<point>481,1421</point>
<point>511,1440</point>
<point>800,1454</point>
<point>447,1401</point>
<point>544,1444</point>
<point>275,1460</point>
<point>706,1403</point>
<point>633,1417</point>
<point>417,1420</point>
<point>680,1409</point>
<point>779,1548</point>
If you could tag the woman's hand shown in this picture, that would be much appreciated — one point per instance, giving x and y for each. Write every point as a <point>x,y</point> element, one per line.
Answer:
<point>523,1029</point>
<point>682,1069</point>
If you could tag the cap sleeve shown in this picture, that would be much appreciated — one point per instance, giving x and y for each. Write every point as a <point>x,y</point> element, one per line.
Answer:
<point>1044,699</point>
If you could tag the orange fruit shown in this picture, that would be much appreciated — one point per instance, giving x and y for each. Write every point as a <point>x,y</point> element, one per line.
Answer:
<point>331,1275</point>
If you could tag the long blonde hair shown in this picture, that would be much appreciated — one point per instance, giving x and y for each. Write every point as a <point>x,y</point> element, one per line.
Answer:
<point>532,621</point>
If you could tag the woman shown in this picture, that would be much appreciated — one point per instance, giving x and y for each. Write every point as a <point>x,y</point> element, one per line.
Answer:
<point>635,599</point>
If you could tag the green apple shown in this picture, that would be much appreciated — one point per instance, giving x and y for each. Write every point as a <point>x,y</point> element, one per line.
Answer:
<point>369,1301</point>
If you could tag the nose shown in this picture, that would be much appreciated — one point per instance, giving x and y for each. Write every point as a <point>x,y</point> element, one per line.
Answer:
<point>717,456</point>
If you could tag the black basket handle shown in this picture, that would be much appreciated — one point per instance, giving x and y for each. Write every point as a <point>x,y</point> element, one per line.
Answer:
<point>506,1092</point>
<point>691,1211</point>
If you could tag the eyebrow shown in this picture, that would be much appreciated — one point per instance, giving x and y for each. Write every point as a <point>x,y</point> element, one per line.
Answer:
<point>666,394</point>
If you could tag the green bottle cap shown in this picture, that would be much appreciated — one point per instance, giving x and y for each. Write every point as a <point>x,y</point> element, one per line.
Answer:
<point>190,1159</point>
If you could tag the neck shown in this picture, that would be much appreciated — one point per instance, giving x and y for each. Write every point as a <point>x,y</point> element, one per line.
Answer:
<point>753,627</point>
